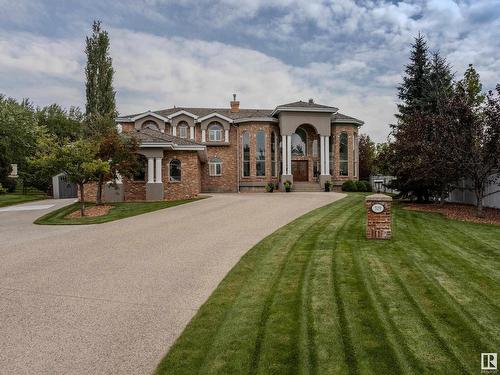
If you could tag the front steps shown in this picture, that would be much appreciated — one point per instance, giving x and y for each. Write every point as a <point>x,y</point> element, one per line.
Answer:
<point>305,186</point>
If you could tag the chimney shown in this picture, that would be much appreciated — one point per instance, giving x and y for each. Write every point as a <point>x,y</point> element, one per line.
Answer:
<point>311,101</point>
<point>235,105</point>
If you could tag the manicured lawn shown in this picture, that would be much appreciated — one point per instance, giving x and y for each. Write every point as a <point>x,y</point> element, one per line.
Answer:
<point>119,211</point>
<point>15,198</point>
<point>316,297</point>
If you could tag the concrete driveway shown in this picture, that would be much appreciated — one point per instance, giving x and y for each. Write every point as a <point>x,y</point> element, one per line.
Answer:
<point>112,298</point>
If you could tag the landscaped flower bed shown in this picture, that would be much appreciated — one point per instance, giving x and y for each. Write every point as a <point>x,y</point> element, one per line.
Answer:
<point>461,212</point>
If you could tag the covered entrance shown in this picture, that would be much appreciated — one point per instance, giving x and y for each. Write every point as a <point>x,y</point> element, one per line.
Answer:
<point>300,170</point>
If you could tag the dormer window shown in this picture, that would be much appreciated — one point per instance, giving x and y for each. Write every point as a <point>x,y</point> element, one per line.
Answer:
<point>150,125</point>
<point>215,132</point>
<point>183,130</point>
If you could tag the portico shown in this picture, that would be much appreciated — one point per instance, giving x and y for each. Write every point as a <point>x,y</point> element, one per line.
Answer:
<point>302,128</point>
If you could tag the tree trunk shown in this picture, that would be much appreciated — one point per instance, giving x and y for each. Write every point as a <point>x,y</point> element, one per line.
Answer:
<point>442,198</point>
<point>99,190</point>
<point>82,201</point>
<point>479,203</point>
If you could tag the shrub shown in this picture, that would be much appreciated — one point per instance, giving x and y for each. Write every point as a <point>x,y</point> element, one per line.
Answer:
<point>349,185</point>
<point>2,189</point>
<point>9,184</point>
<point>368,186</point>
<point>270,187</point>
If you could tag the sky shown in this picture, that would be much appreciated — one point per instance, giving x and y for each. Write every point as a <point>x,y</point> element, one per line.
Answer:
<point>348,54</point>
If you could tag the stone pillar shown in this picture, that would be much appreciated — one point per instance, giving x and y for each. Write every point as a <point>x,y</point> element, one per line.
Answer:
<point>322,154</point>
<point>158,177</point>
<point>326,139</point>
<point>378,216</point>
<point>151,170</point>
<point>226,136</point>
<point>203,135</point>
<point>174,130</point>
<point>191,133</point>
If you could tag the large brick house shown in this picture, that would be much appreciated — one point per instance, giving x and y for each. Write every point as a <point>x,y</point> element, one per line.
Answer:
<point>186,151</point>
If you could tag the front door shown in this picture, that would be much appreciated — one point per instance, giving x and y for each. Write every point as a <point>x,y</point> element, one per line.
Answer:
<point>299,170</point>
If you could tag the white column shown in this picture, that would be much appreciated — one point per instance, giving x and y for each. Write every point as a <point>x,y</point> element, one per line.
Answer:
<point>327,154</point>
<point>226,136</point>
<point>203,136</point>
<point>174,130</point>
<point>322,154</point>
<point>191,133</point>
<point>289,154</point>
<point>151,170</point>
<point>283,154</point>
<point>158,170</point>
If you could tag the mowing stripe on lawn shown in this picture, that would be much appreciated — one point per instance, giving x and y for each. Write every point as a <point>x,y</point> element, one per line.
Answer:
<point>316,297</point>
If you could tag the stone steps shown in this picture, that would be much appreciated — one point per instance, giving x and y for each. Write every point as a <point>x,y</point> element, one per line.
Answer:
<point>306,187</point>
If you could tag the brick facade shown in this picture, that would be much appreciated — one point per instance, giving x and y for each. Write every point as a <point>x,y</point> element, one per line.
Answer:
<point>378,224</point>
<point>195,167</point>
<point>190,184</point>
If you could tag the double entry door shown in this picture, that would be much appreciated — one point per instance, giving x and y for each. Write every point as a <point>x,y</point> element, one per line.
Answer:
<point>299,170</point>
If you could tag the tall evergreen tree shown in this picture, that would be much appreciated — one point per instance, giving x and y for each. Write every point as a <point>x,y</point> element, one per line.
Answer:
<point>99,73</point>
<point>412,92</point>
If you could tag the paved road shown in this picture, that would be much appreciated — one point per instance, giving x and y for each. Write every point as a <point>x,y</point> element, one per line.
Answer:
<point>112,298</point>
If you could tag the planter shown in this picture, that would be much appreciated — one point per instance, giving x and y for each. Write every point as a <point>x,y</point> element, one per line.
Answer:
<point>288,189</point>
<point>327,187</point>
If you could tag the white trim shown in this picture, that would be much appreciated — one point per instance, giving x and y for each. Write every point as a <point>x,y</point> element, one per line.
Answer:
<point>303,109</point>
<point>182,112</point>
<point>215,114</point>
<point>149,113</point>
<point>226,135</point>
<point>348,121</point>
<point>203,136</point>
<point>256,119</point>
<point>191,133</point>
<point>173,146</point>
<point>174,131</point>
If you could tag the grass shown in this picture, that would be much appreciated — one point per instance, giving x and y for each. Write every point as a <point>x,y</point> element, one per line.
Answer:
<point>316,297</point>
<point>10,199</point>
<point>119,211</point>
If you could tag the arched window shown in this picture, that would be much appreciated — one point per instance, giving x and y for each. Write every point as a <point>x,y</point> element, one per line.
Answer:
<point>274,160</point>
<point>183,129</point>
<point>215,167</point>
<point>150,125</point>
<point>140,171</point>
<point>299,142</point>
<point>343,155</point>
<point>245,140</point>
<point>215,131</point>
<point>174,170</point>
<point>260,153</point>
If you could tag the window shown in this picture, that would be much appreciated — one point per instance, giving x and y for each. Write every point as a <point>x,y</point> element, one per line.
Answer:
<point>183,130</point>
<point>215,167</point>
<point>174,170</point>
<point>215,131</point>
<point>140,171</point>
<point>150,125</point>
<point>246,154</point>
<point>274,141</point>
<point>260,153</point>
<point>299,140</point>
<point>343,155</point>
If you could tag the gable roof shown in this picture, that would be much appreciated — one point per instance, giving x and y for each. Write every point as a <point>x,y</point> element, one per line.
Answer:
<point>151,136</point>
<point>249,114</point>
<point>301,104</point>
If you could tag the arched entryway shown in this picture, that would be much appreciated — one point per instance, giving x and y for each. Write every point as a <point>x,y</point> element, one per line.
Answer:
<point>305,153</point>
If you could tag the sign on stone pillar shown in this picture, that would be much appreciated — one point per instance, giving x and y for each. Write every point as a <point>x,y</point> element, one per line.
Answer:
<point>378,216</point>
